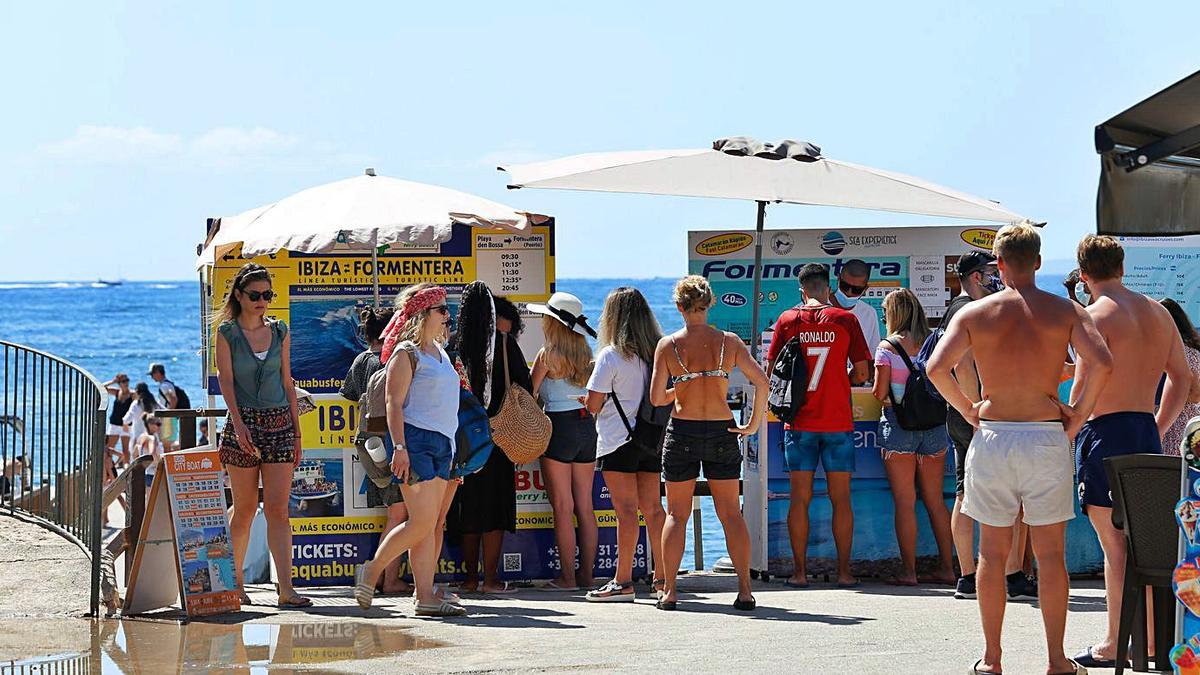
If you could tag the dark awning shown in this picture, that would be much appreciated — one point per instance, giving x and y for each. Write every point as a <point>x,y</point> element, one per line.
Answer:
<point>1150,165</point>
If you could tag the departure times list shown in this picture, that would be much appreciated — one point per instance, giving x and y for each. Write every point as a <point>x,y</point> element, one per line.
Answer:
<point>513,265</point>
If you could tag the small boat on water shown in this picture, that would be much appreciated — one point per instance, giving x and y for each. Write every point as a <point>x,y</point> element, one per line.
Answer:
<point>106,283</point>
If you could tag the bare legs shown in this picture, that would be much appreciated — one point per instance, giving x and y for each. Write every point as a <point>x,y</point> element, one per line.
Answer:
<point>650,504</point>
<point>797,521</point>
<point>901,471</point>
<point>570,489</point>
<point>838,483</point>
<point>391,581</point>
<point>415,535</point>
<point>727,503</point>
<point>491,541</point>
<point>276,484</point>
<point>963,528</point>
<point>995,544</point>
<point>631,492</point>
<point>1112,542</point>
<point>931,472</point>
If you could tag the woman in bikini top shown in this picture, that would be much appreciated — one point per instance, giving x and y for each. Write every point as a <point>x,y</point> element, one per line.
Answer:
<point>702,436</point>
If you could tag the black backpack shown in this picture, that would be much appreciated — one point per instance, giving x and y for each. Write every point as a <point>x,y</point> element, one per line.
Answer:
<point>788,384</point>
<point>650,426</point>
<point>182,402</point>
<point>918,410</point>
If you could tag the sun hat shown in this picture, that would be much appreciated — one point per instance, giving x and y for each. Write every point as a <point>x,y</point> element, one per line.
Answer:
<point>567,309</point>
<point>973,261</point>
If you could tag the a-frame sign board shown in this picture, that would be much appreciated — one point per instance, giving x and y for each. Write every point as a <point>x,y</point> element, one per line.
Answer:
<point>184,550</point>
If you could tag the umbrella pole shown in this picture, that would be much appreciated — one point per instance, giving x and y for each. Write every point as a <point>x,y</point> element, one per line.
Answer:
<point>375,273</point>
<point>758,234</point>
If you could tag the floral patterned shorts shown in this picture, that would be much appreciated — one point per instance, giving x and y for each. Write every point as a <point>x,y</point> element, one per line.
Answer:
<point>271,431</point>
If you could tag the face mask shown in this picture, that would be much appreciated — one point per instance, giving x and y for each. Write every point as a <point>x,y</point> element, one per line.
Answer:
<point>992,283</point>
<point>1082,294</point>
<point>844,301</point>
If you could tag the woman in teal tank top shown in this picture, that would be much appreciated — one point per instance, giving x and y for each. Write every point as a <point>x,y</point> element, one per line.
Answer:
<point>261,437</point>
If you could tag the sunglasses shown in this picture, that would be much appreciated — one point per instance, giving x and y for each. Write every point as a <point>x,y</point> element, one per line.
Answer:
<point>123,380</point>
<point>851,288</point>
<point>444,310</point>
<point>255,296</point>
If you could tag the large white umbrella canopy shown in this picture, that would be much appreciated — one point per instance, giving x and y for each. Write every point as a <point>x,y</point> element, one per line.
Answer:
<point>742,168</point>
<point>365,212</point>
<point>711,173</point>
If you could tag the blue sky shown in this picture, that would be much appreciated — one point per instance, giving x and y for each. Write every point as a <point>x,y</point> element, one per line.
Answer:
<point>127,124</point>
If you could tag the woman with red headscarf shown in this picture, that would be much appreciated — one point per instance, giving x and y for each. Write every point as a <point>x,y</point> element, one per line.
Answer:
<point>422,413</point>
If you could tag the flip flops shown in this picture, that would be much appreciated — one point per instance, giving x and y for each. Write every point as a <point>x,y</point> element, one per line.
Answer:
<point>439,609</point>
<point>364,593</point>
<point>745,605</point>
<point>507,589</point>
<point>1086,659</point>
<point>553,586</point>
<point>294,601</point>
<point>976,671</point>
<point>792,584</point>
<point>1079,669</point>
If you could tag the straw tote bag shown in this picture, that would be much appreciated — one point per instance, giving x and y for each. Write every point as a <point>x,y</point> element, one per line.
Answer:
<point>520,428</point>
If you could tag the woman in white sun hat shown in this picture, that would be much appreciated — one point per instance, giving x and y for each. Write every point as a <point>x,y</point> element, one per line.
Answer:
<point>560,374</point>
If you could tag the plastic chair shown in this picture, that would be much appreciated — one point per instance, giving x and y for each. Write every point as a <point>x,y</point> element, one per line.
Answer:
<point>1145,490</point>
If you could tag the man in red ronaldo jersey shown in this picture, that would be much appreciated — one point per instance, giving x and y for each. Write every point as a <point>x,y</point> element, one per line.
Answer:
<point>823,429</point>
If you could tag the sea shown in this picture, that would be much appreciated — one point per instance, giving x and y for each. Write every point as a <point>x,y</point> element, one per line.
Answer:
<point>108,330</point>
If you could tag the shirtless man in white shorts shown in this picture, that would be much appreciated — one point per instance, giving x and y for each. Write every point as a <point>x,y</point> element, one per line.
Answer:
<point>1020,456</point>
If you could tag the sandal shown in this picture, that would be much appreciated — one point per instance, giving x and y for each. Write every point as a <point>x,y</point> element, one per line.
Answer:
<point>364,593</point>
<point>612,592</point>
<point>745,605</point>
<point>442,593</point>
<point>440,609</point>
<point>553,586</point>
<point>506,589</point>
<point>659,586</point>
<point>666,605</point>
<point>294,601</point>
<point>976,671</point>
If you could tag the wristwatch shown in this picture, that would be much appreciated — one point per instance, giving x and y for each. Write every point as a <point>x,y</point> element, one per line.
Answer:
<point>399,446</point>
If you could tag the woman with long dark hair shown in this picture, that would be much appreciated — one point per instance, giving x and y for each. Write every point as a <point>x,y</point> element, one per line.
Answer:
<point>911,458</point>
<point>143,402</point>
<point>627,337</point>
<point>486,504</point>
<point>1191,349</point>
<point>261,437</point>
<point>702,434</point>
<point>422,414</point>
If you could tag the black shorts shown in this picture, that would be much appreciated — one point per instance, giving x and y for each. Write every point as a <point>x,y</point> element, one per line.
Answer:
<point>630,458</point>
<point>572,437</point>
<point>692,444</point>
<point>960,432</point>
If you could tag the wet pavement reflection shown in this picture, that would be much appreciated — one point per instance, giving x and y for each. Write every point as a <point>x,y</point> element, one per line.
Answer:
<point>132,646</point>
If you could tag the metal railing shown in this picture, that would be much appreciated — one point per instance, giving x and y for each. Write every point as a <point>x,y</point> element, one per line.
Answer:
<point>52,424</point>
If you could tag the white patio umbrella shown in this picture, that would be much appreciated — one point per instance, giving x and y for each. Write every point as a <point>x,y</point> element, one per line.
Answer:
<point>741,168</point>
<point>365,212</point>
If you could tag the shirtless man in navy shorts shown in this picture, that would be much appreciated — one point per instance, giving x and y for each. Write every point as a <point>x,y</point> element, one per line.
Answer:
<point>1144,344</point>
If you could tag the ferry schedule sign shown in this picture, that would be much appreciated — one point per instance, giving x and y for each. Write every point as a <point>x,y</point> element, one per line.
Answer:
<point>184,552</point>
<point>204,553</point>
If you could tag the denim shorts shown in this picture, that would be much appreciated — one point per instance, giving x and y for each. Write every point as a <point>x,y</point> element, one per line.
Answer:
<point>429,454</point>
<point>895,440</point>
<point>834,450</point>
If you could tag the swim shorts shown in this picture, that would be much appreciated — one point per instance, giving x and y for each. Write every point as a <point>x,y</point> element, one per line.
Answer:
<point>1019,464</point>
<point>1111,435</point>
<point>834,450</point>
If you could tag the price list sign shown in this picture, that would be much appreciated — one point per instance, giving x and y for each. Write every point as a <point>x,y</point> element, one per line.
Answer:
<point>205,553</point>
<point>514,265</point>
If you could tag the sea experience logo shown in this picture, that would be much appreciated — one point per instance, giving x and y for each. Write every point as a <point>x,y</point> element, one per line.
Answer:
<point>979,237</point>
<point>781,243</point>
<point>724,243</point>
<point>833,243</point>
